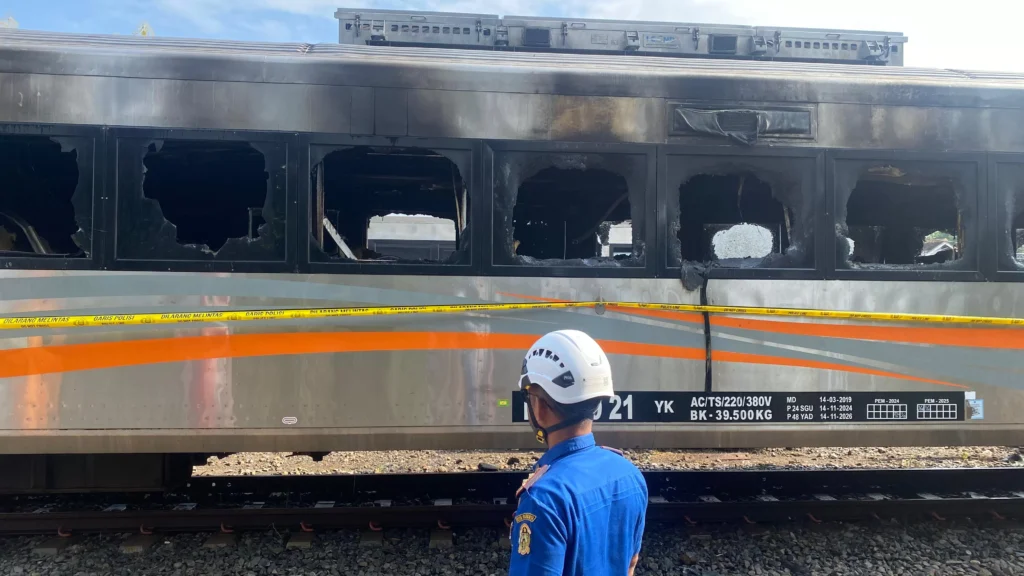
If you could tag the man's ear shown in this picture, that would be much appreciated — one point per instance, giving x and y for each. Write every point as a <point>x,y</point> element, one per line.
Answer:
<point>540,410</point>
<point>549,415</point>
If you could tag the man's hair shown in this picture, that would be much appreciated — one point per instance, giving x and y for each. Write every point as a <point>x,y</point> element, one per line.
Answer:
<point>579,411</point>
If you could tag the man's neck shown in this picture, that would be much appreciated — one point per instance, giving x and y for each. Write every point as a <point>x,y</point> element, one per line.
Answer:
<point>559,436</point>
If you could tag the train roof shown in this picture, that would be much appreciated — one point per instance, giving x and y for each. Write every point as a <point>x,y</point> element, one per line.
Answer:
<point>32,52</point>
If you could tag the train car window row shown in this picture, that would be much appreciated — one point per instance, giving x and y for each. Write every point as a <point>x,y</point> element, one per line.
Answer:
<point>189,199</point>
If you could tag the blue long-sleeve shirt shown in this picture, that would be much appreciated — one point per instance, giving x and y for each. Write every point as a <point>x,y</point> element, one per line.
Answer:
<point>582,512</point>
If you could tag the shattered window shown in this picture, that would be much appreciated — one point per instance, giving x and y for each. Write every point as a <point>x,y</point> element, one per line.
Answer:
<point>616,239</point>
<point>210,191</point>
<point>1009,184</point>
<point>901,217</point>
<point>739,213</point>
<point>38,199</point>
<point>569,210</point>
<point>390,204</point>
<point>565,214</point>
<point>1018,246</point>
<point>201,199</point>
<point>731,219</point>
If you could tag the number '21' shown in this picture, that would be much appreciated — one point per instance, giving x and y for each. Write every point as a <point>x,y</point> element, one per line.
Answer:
<point>617,404</point>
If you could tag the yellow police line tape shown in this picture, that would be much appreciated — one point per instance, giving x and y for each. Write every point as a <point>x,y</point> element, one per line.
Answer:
<point>316,313</point>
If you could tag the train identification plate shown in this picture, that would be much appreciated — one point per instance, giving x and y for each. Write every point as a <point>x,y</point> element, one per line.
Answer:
<point>773,407</point>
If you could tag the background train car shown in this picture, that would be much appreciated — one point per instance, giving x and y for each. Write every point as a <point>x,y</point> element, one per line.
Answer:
<point>155,175</point>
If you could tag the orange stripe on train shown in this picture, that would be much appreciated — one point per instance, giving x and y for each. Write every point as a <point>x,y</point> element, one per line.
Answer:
<point>93,356</point>
<point>744,358</point>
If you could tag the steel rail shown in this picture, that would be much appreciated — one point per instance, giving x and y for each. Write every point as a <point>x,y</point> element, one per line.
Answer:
<point>488,499</point>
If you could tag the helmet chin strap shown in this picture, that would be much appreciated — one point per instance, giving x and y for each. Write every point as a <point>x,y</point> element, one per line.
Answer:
<point>543,434</point>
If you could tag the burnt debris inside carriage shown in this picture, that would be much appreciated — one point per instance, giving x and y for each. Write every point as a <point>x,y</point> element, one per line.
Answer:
<point>568,215</point>
<point>213,194</point>
<point>572,209</point>
<point>390,204</point>
<point>899,217</point>
<point>42,210</point>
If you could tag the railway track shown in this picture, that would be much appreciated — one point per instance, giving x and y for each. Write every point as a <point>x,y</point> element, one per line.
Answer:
<point>488,499</point>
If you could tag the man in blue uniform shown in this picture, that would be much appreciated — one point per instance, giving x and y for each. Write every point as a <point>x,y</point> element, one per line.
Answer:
<point>581,511</point>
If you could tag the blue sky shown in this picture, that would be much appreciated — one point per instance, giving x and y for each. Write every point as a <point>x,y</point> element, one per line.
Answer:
<point>982,36</point>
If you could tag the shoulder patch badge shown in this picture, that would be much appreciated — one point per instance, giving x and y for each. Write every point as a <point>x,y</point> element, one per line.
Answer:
<point>524,539</point>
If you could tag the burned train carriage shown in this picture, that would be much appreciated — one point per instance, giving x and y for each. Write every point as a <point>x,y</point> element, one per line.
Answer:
<point>154,175</point>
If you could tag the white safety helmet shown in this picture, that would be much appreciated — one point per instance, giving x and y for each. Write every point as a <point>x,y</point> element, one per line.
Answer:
<point>569,365</point>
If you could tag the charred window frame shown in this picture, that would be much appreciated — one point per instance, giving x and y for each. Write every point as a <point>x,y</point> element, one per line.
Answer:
<point>153,168</point>
<point>329,154</point>
<point>1008,216</point>
<point>949,186</point>
<point>44,233</point>
<point>792,181</point>
<point>625,174</point>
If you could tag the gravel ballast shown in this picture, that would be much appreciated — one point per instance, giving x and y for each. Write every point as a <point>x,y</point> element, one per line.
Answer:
<point>764,459</point>
<point>877,550</point>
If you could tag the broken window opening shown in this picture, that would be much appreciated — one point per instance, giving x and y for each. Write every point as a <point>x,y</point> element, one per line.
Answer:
<point>733,213</point>
<point>37,211</point>
<point>389,205</point>
<point>569,209</point>
<point>1018,245</point>
<point>562,214</point>
<point>1010,185</point>
<point>1008,181</point>
<point>732,219</point>
<point>895,217</point>
<point>616,239</point>
<point>211,191</point>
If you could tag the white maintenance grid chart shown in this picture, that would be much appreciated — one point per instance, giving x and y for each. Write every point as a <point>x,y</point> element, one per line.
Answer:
<point>887,411</point>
